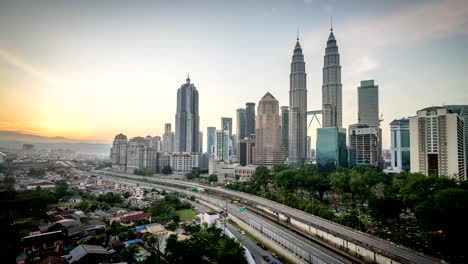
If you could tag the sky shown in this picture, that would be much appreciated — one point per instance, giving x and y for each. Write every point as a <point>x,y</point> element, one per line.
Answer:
<point>92,69</point>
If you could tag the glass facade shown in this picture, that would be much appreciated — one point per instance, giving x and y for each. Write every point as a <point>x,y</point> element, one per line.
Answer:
<point>405,160</point>
<point>405,141</point>
<point>331,148</point>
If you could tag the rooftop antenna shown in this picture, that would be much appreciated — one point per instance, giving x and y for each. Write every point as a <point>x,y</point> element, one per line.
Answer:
<point>297,33</point>
<point>331,23</point>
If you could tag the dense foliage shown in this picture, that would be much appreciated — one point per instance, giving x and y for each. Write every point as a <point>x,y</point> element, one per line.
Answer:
<point>424,213</point>
<point>165,209</point>
<point>205,246</point>
<point>166,170</point>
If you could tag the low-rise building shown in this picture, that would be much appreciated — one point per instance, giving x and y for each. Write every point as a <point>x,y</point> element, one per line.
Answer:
<point>83,254</point>
<point>43,185</point>
<point>130,218</point>
<point>209,218</point>
<point>244,173</point>
<point>41,245</point>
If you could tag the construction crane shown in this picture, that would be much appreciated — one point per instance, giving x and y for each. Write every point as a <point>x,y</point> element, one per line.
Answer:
<point>381,119</point>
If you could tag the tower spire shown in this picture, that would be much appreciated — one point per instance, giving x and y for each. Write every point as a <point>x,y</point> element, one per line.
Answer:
<point>331,23</point>
<point>188,78</point>
<point>297,33</point>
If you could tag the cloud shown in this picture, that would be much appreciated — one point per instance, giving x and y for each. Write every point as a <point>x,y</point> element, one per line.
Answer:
<point>25,67</point>
<point>422,22</point>
<point>364,64</point>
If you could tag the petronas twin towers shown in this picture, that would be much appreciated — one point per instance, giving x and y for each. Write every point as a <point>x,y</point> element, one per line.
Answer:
<point>331,98</point>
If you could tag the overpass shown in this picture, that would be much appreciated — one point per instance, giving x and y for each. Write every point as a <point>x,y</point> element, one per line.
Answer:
<point>364,246</point>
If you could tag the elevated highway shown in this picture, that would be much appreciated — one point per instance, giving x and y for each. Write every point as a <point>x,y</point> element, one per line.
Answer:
<point>366,247</point>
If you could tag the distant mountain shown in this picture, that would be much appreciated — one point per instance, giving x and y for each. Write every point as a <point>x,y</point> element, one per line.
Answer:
<point>14,139</point>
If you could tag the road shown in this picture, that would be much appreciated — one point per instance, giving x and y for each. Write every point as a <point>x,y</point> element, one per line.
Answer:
<point>297,244</point>
<point>256,252</point>
<point>374,243</point>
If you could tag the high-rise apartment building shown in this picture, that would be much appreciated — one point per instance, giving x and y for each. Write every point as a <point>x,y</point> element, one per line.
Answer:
<point>437,143</point>
<point>285,129</point>
<point>331,88</point>
<point>119,152</point>
<point>368,103</point>
<point>211,139</point>
<point>268,141</point>
<point>462,110</point>
<point>364,145</point>
<point>240,123</point>
<point>399,146</point>
<point>168,139</point>
<point>297,108</point>
<point>187,119</point>
<point>222,145</point>
<point>249,119</point>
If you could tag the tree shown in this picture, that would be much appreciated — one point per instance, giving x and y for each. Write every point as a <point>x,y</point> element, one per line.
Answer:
<point>261,177</point>
<point>287,179</point>
<point>8,183</point>
<point>194,173</point>
<point>213,178</point>
<point>61,189</point>
<point>166,170</point>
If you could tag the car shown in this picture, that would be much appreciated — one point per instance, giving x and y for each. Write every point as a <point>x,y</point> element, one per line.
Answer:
<point>266,258</point>
<point>243,232</point>
<point>274,255</point>
<point>281,259</point>
<point>262,246</point>
<point>274,262</point>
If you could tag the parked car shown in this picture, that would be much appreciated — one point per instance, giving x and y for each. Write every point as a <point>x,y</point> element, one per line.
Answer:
<point>266,258</point>
<point>243,232</point>
<point>281,260</point>
<point>274,255</point>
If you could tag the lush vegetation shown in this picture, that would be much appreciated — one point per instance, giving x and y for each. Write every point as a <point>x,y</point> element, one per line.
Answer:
<point>205,246</point>
<point>194,173</point>
<point>186,214</point>
<point>166,170</point>
<point>166,209</point>
<point>142,172</point>
<point>424,213</point>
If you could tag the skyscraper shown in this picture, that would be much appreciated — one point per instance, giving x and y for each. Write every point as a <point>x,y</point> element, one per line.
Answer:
<point>240,123</point>
<point>297,108</point>
<point>200,141</point>
<point>331,88</point>
<point>268,141</point>
<point>462,110</point>
<point>249,119</point>
<point>211,139</point>
<point>187,119</point>
<point>368,103</point>
<point>285,129</point>
<point>226,124</point>
<point>437,143</point>
<point>222,145</point>
<point>168,139</point>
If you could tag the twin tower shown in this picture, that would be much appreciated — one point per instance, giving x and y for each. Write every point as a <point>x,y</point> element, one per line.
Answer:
<point>331,98</point>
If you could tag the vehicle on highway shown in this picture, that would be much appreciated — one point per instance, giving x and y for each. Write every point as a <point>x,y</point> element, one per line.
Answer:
<point>262,246</point>
<point>242,232</point>
<point>266,258</point>
<point>274,255</point>
<point>281,259</point>
<point>274,262</point>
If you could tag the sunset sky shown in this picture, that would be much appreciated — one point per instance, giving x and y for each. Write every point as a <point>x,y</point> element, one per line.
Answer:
<point>92,69</point>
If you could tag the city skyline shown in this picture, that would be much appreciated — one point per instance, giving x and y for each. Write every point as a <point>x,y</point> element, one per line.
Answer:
<point>90,75</point>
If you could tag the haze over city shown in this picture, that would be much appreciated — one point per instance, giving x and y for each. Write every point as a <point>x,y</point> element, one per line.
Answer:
<point>89,70</point>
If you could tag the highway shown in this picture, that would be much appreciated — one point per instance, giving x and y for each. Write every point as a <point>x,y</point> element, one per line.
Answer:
<point>308,250</point>
<point>399,253</point>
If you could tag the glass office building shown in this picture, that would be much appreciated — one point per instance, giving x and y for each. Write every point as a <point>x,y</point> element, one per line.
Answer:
<point>331,148</point>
